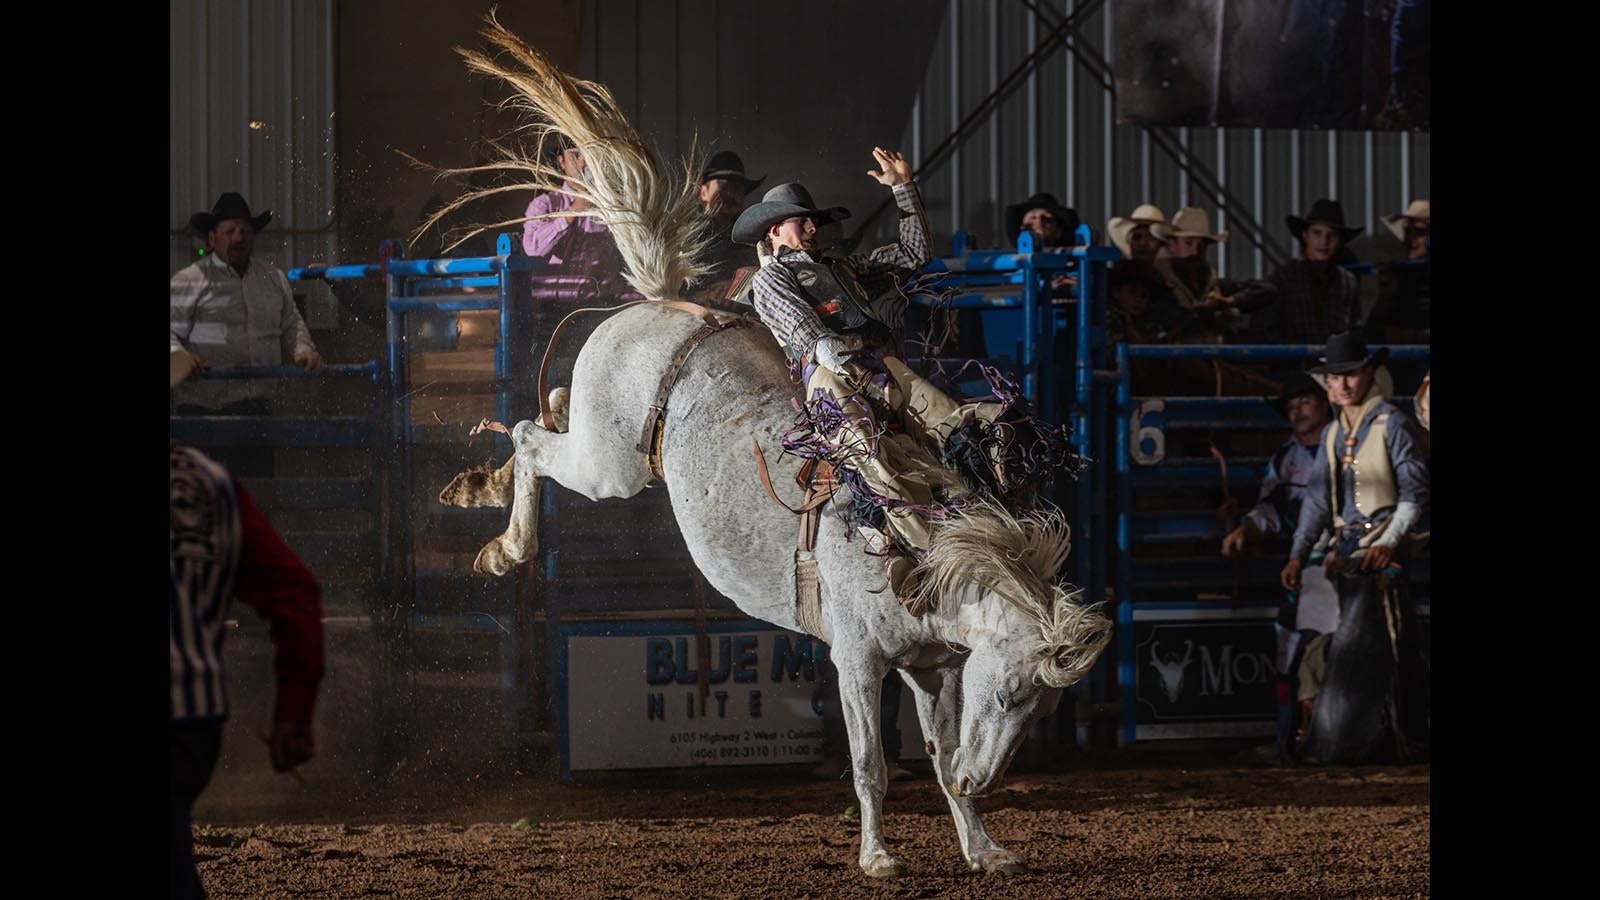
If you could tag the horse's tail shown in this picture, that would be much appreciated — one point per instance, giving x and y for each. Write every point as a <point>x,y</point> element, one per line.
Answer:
<point>1018,557</point>
<point>656,221</point>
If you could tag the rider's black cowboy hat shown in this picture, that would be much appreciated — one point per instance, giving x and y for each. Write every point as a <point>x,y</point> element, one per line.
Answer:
<point>727,164</point>
<point>1326,212</point>
<point>782,202</point>
<point>1347,352</point>
<point>229,206</point>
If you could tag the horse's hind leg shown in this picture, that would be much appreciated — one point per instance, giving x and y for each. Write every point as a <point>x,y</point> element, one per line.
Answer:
<point>482,485</point>
<point>534,450</point>
<point>485,485</point>
<point>938,696</point>
<point>521,538</point>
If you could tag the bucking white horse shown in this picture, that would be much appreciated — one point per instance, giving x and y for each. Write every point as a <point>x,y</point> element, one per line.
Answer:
<point>1003,636</point>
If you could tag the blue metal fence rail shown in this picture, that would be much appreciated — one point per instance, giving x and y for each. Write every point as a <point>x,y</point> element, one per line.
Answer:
<point>1106,419</point>
<point>1020,281</point>
<point>420,289</point>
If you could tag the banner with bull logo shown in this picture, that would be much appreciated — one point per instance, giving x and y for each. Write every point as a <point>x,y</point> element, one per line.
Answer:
<point>1204,672</point>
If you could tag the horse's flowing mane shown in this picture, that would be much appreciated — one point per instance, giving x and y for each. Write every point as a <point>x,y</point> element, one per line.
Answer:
<point>657,221</point>
<point>1017,556</point>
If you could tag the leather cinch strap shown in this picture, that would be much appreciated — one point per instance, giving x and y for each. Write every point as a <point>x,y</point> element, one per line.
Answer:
<point>655,422</point>
<point>819,482</point>
<point>650,441</point>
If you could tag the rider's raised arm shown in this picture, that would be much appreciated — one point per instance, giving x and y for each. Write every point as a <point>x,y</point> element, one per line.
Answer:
<point>911,253</point>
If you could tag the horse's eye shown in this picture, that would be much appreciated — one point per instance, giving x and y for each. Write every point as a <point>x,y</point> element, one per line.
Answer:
<point>1001,698</point>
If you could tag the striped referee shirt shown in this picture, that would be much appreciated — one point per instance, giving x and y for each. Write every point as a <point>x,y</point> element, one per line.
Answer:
<point>221,547</point>
<point>782,304</point>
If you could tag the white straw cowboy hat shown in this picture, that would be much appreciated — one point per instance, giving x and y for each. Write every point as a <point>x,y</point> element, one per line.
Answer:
<point>1419,210</point>
<point>1191,221</point>
<point>1144,214</point>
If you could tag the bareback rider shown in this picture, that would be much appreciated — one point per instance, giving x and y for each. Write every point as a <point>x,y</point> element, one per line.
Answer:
<point>839,320</point>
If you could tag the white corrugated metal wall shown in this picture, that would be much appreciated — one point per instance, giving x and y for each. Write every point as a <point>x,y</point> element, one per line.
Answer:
<point>252,110</point>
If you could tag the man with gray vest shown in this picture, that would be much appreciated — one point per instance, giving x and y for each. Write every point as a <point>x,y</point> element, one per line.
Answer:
<point>1369,488</point>
<point>1307,619</point>
<point>839,321</point>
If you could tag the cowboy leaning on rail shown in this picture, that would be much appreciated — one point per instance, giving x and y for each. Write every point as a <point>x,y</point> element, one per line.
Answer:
<point>839,319</point>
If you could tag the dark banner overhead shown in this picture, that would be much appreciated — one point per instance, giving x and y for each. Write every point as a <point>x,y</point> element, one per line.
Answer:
<point>1349,64</point>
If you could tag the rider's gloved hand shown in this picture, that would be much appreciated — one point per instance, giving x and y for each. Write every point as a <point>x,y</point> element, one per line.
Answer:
<point>833,351</point>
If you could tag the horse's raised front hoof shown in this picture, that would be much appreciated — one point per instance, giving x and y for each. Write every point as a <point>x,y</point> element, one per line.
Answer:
<point>997,860</point>
<point>478,486</point>
<point>494,560</point>
<point>882,865</point>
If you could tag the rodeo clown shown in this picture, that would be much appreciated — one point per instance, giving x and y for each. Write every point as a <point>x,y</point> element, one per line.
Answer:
<point>839,319</point>
<point>1363,520</point>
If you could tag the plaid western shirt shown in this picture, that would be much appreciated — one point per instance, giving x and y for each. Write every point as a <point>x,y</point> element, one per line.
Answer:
<point>782,304</point>
<point>1284,306</point>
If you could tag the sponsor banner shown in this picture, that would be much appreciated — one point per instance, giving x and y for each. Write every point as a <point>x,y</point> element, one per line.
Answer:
<point>631,697</point>
<point>1204,672</point>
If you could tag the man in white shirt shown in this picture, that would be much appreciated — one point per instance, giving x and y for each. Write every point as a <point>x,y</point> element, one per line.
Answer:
<point>229,310</point>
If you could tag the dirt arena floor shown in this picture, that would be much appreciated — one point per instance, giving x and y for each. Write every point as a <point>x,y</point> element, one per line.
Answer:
<point>1124,824</point>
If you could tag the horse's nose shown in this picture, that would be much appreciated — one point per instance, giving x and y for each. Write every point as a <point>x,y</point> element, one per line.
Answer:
<point>963,785</point>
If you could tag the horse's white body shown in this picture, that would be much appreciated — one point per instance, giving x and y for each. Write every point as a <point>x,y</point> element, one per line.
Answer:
<point>974,663</point>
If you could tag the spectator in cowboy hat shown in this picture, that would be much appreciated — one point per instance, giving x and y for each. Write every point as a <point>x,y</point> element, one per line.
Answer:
<point>578,247</point>
<point>1361,514</point>
<point>229,309</point>
<point>723,186</point>
<point>1305,620</point>
<point>1306,299</point>
<point>1403,312</point>
<point>1304,403</point>
<point>1411,227</point>
<point>1133,236</point>
<point>1052,224</point>
<point>543,229</point>
<point>1188,277</point>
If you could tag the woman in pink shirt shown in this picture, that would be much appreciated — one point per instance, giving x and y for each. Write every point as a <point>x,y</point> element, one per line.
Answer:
<point>540,235</point>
